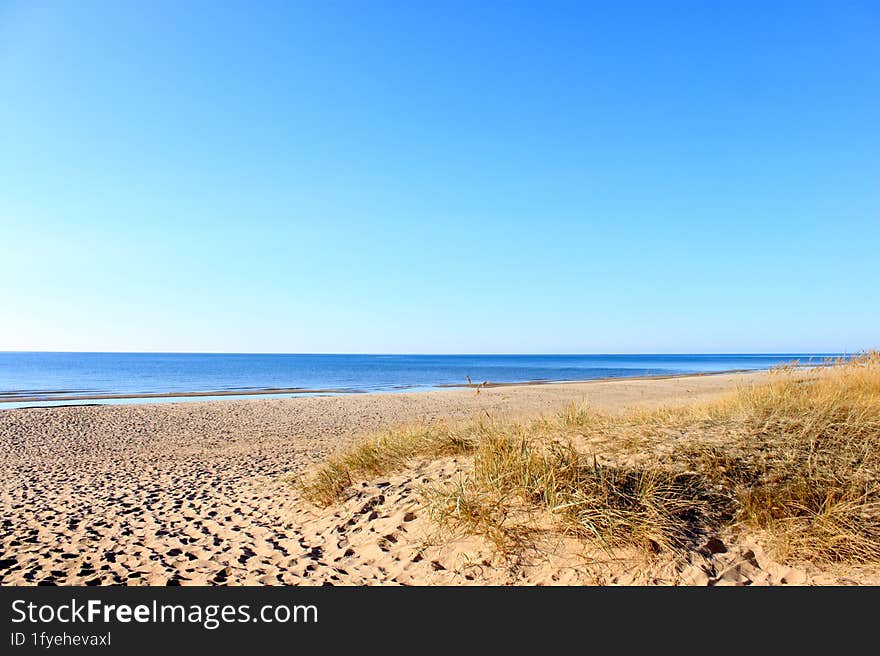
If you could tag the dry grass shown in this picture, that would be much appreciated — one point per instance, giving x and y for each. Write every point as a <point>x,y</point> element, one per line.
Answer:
<point>797,458</point>
<point>387,453</point>
<point>812,450</point>
<point>517,482</point>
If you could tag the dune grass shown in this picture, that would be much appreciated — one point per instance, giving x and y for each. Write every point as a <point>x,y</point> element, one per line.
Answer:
<point>515,479</point>
<point>386,453</point>
<point>796,458</point>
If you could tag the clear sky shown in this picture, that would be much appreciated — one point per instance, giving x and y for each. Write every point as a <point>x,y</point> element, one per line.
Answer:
<point>440,176</point>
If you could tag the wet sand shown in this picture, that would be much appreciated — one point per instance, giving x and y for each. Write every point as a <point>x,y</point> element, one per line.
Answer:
<point>76,396</point>
<point>195,493</point>
<point>22,397</point>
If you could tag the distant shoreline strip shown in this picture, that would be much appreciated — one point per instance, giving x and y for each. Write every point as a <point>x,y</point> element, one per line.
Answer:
<point>15,397</point>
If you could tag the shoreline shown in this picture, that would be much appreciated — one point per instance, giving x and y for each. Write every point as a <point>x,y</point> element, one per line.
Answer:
<point>269,391</point>
<point>272,392</point>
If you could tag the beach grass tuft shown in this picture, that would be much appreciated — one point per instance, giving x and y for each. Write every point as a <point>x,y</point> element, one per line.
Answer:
<point>384,454</point>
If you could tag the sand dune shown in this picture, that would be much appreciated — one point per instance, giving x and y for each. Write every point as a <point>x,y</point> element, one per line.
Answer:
<point>193,493</point>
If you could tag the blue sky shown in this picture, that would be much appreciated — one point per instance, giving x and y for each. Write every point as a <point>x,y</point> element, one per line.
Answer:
<point>440,176</point>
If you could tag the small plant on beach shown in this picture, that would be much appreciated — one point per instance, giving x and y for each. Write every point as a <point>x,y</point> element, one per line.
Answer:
<point>386,453</point>
<point>515,478</point>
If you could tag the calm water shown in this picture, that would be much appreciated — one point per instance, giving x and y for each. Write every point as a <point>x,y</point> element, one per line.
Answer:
<point>68,376</point>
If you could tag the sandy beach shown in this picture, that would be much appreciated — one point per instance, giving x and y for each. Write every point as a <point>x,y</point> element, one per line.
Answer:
<point>200,493</point>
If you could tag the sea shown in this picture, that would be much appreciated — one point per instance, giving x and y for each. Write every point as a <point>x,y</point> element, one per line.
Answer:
<point>44,378</point>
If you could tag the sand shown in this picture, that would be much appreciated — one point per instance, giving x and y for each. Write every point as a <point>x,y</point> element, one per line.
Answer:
<point>199,493</point>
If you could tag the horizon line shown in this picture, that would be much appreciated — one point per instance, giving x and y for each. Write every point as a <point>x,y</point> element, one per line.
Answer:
<point>377,353</point>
